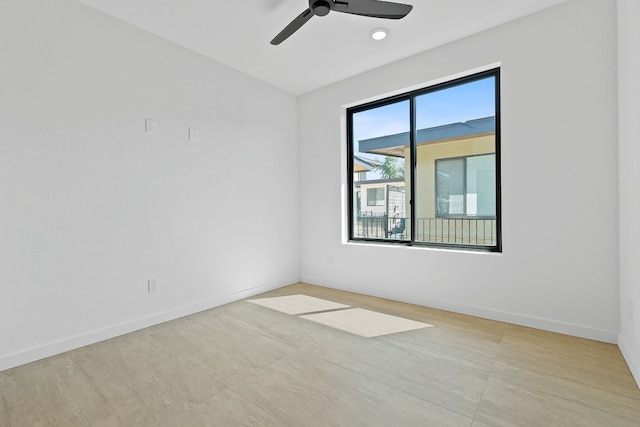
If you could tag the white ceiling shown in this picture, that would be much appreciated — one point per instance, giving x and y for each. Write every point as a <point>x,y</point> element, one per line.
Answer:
<point>326,49</point>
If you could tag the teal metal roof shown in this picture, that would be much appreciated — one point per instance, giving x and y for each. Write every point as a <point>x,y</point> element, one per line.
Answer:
<point>384,144</point>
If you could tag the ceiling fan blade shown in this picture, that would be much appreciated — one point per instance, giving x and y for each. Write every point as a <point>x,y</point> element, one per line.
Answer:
<point>373,8</point>
<point>292,27</point>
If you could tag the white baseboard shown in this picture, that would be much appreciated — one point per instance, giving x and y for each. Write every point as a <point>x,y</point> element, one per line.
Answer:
<point>610,337</point>
<point>632,359</point>
<point>92,337</point>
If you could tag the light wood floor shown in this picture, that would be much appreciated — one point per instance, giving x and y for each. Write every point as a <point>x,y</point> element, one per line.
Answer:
<point>242,364</point>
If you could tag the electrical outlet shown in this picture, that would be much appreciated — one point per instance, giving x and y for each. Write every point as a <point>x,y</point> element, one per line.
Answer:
<point>154,285</point>
<point>331,258</point>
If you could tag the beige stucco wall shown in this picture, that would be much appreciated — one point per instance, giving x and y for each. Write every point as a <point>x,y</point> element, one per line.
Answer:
<point>427,155</point>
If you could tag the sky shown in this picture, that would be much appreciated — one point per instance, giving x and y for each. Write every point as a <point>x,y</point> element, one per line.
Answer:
<point>451,105</point>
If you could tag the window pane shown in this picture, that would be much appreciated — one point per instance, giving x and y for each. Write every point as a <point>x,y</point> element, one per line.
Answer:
<point>481,186</point>
<point>456,164</point>
<point>375,196</point>
<point>380,138</point>
<point>449,187</point>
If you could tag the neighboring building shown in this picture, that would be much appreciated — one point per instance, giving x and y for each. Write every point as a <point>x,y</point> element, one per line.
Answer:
<point>376,197</point>
<point>379,203</point>
<point>361,166</point>
<point>456,178</point>
<point>381,197</point>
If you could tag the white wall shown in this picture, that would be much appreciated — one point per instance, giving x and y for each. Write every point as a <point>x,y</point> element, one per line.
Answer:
<point>629,134</point>
<point>91,207</point>
<point>559,267</point>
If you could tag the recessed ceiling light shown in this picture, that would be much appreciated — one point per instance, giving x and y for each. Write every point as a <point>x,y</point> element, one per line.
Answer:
<point>379,33</point>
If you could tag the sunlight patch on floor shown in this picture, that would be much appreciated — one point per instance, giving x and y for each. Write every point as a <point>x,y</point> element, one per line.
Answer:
<point>357,321</point>
<point>297,304</point>
<point>365,323</point>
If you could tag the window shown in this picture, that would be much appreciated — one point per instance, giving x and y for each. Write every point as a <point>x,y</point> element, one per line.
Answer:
<point>375,196</point>
<point>428,163</point>
<point>466,187</point>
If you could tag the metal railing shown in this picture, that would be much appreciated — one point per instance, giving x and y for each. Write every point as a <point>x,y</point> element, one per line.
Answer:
<point>379,227</point>
<point>463,231</point>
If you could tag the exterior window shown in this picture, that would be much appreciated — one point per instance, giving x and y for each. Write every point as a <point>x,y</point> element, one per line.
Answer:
<point>375,196</point>
<point>466,187</point>
<point>428,163</point>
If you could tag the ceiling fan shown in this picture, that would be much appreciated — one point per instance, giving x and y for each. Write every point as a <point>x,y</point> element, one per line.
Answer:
<point>372,8</point>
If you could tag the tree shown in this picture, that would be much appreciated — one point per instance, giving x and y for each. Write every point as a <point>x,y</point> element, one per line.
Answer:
<point>390,168</point>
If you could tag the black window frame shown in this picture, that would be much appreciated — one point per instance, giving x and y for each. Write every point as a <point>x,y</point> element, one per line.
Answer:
<point>411,97</point>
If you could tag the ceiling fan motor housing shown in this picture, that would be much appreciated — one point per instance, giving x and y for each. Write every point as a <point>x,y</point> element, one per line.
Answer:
<point>319,7</point>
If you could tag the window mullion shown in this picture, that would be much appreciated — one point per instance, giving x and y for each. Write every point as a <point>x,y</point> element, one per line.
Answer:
<point>414,165</point>
<point>464,187</point>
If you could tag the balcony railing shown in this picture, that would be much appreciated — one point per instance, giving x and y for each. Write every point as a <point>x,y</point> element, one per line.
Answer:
<point>462,231</point>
